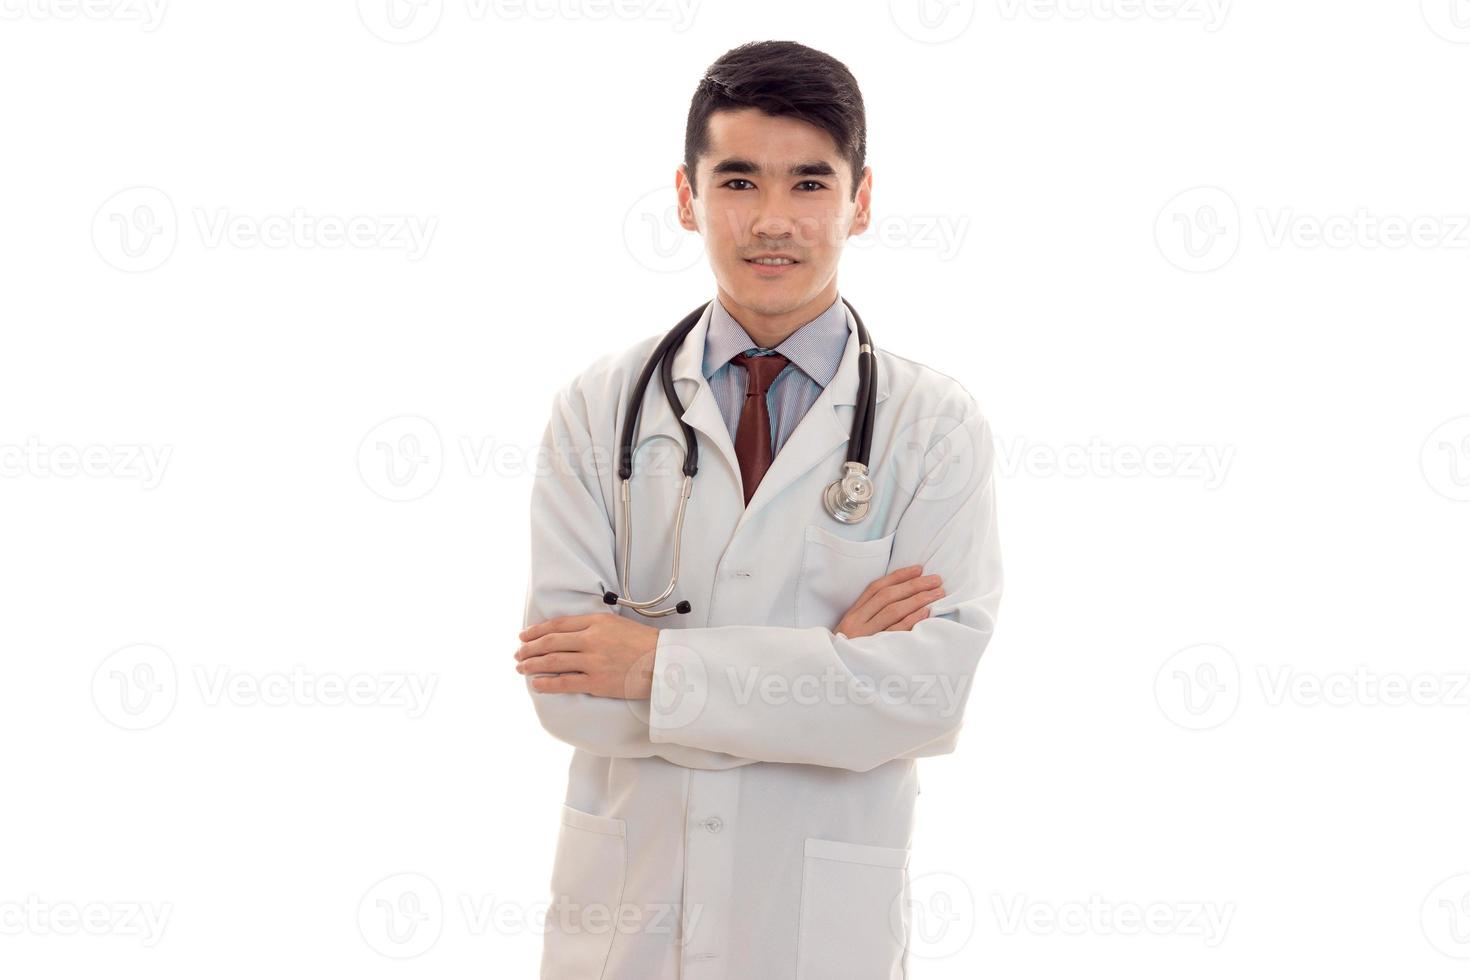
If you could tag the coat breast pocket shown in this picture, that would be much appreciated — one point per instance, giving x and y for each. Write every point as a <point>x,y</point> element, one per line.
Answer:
<point>854,912</point>
<point>587,887</point>
<point>834,572</point>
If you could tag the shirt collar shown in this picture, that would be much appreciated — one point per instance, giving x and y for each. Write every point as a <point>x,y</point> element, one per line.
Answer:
<point>816,347</point>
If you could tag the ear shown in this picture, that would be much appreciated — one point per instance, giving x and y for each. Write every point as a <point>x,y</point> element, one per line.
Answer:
<point>684,191</point>
<point>863,215</point>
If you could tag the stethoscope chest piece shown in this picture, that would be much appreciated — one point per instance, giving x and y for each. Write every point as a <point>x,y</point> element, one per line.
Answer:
<point>848,497</point>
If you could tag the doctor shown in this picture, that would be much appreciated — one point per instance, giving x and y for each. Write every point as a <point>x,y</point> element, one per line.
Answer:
<point>741,796</point>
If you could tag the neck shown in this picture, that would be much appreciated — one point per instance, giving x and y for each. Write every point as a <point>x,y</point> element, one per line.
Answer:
<point>769,329</point>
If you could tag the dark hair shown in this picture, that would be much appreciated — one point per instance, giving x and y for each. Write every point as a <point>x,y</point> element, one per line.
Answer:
<point>781,78</point>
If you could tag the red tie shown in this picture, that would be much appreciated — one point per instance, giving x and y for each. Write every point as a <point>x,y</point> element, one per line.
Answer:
<point>753,436</point>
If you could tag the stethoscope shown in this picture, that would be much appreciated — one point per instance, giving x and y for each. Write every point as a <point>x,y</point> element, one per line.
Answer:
<point>847,498</point>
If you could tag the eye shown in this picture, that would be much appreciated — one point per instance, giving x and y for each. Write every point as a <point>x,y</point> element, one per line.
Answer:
<point>818,185</point>
<point>737,180</point>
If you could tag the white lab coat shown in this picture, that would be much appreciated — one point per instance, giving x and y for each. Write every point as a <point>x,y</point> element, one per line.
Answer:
<point>752,820</point>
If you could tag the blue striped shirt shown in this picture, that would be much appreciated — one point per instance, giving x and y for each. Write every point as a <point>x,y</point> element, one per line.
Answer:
<point>814,350</point>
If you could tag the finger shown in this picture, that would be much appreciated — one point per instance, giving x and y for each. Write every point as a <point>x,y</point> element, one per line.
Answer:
<point>890,594</point>
<point>557,624</point>
<point>896,611</point>
<point>897,575</point>
<point>908,621</point>
<point>552,643</point>
<point>553,663</point>
<point>561,684</point>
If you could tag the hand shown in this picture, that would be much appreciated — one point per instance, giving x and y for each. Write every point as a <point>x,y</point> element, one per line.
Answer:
<point>600,653</point>
<point>896,601</point>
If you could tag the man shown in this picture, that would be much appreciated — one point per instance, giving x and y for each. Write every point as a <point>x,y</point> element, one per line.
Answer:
<point>741,798</point>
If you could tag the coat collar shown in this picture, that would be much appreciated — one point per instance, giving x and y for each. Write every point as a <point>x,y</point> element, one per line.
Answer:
<point>815,347</point>
<point>824,427</point>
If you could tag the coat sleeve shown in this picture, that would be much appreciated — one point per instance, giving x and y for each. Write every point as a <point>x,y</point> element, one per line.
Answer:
<point>808,695</point>
<point>572,550</point>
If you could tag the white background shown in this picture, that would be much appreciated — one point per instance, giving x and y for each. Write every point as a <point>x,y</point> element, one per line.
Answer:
<point>1175,230</point>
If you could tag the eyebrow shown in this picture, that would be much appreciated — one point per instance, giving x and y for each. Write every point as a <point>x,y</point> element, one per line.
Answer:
<point>739,165</point>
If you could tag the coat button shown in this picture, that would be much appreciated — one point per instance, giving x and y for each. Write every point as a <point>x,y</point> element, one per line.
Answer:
<point>713,825</point>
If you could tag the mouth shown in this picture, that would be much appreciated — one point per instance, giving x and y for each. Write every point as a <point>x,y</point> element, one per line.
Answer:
<point>772,264</point>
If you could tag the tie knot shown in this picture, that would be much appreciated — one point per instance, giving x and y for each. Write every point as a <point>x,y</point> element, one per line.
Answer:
<point>761,370</point>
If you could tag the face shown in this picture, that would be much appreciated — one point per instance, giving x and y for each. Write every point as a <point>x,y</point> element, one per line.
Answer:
<point>773,185</point>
